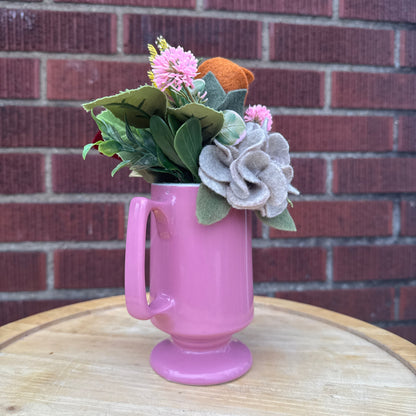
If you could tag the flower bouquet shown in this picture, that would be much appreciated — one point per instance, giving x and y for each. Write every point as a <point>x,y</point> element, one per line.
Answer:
<point>189,126</point>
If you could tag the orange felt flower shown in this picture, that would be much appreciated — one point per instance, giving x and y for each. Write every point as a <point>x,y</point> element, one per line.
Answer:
<point>230,75</point>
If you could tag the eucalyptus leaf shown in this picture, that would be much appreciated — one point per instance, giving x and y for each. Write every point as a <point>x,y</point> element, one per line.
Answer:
<point>210,207</point>
<point>188,145</point>
<point>134,106</point>
<point>211,120</point>
<point>163,137</point>
<point>233,128</point>
<point>283,221</point>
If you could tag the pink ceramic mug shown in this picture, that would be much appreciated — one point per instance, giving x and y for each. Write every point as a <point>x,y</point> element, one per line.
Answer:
<point>201,286</point>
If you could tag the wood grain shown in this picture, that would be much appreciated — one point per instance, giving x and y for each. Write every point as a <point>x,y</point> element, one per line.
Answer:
<point>92,358</point>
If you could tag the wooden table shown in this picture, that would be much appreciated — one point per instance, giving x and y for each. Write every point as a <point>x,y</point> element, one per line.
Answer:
<point>92,358</point>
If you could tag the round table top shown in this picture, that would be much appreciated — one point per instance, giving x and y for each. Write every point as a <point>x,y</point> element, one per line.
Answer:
<point>92,358</point>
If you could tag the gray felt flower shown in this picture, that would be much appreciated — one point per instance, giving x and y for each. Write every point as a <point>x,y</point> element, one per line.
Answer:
<point>255,174</point>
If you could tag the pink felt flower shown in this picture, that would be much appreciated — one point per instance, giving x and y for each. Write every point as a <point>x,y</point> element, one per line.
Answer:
<point>258,114</point>
<point>174,68</point>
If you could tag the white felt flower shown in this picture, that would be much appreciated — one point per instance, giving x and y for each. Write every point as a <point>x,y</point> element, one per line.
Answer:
<point>255,174</point>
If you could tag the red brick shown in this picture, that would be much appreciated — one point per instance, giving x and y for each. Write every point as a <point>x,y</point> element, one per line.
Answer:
<point>406,331</point>
<point>176,4</point>
<point>336,133</point>
<point>339,219</point>
<point>203,36</point>
<point>313,8</point>
<point>407,134</point>
<point>87,80</point>
<point>374,175</point>
<point>281,264</point>
<point>54,222</point>
<point>408,302</point>
<point>408,48</point>
<point>374,263</point>
<point>304,43</point>
<point>72,174</point>
<point>408,218</point>
<point>45,127</point>
<point>19,78</point>
<point>22,271</point>
<point>365,90</point>
<point>287,88</point>
<point>310,175</point>
<point>47,31</point>
<point>83,269</point>
<point>11,310</point>
<point>21,173</point>
<point>375,304</point>
<point>385,10</point>
<point>257,227</point>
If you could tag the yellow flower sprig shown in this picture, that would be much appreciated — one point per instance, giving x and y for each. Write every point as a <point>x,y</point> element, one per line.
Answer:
<point>162,45</point>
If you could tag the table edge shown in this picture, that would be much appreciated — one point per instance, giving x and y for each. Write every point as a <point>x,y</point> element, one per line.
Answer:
<point>398,347</point>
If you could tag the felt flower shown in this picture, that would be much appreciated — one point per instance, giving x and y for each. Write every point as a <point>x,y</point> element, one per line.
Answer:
<point>174,68</point>
<point>254,174</point>
<point>259,114</point>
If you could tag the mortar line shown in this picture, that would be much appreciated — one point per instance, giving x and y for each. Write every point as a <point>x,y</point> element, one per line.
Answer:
<point>397,48</point>
<point>265,42</point>
<point>50,270</point>
<point>335,11</point>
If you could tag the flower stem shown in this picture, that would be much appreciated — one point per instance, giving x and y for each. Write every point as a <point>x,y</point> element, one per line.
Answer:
<point>189,93</point>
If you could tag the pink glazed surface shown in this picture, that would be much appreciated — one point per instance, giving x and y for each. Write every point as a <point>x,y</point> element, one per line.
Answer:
<point>201,283</point>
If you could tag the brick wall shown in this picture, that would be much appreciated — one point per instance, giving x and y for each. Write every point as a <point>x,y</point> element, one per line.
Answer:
<point>340,79</point>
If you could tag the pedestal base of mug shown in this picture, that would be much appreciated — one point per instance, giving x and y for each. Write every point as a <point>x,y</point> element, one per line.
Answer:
<point>201,366</point>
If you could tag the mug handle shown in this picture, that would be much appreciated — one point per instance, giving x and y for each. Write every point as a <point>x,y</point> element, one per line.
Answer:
<point>135,286</point>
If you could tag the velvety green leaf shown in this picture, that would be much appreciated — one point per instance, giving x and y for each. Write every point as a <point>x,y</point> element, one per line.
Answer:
<point>163,137</point>
<point>215,92</point>
<point>232,129</point>
<point>234,100</point>
<point>109,147</point>
<point>135,106</point>
<point>199,86</point>
<point>119,166</point>
<point>283,221</point>
<point>211,120</point>
<point>188,144</point>
<point>210,207</point>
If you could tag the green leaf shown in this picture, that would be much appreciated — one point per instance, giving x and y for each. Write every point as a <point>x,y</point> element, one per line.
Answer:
<point>188,145</point>
<point>283,221</point>
<point>112,127</point>
<point>109,147</point>
<point>174,123</point>
<point>211,120</point>
<point>163,137</point>
<point>135,106</point>
<point>210,207</point>
<point>119,166</point>
<point>233,128</point>
<point>88,147</point>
